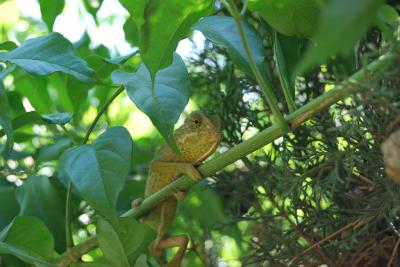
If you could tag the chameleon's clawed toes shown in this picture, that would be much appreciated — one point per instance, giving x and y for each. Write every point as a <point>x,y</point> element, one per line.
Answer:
<point>179,194</point>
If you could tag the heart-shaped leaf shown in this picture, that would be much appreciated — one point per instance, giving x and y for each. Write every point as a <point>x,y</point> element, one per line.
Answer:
<point>164,102</point>
<point>99,171</point>
<point>47,54</point>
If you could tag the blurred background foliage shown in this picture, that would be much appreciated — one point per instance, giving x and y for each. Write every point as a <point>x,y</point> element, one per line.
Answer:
<point>325,177</point>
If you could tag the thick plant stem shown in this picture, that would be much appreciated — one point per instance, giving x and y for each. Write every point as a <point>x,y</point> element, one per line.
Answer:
<point>268,135</point>
<point>256,142</point>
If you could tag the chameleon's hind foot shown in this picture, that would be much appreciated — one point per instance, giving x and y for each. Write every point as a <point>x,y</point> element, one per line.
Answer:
<point>136,203</point>
<point>179,194</point>
<point>180,241</point>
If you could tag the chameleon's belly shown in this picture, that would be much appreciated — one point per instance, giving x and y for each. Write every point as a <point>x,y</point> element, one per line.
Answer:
<point>162,215</point>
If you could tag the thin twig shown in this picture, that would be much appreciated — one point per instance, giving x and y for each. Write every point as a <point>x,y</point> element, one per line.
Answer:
<point>393,253</point>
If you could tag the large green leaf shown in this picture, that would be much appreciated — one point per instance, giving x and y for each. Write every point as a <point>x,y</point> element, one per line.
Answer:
<point>111,245</point>
<point>162,24</point>
<point>47,54</point>
<point>222,30</point>
<point>39,196</point>
<point>165,102</point>
<point>342,25</point>
<point>99,171</point>
<point>50,9</point>
<point>290,17</point>
<point>136,238</point>
<point>9,207</point>
<point>29,235</point>
<point>125,245</point>
<point>5,118</point>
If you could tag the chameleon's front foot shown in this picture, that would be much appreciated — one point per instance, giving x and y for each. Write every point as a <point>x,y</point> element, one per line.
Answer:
<point>136,203</point>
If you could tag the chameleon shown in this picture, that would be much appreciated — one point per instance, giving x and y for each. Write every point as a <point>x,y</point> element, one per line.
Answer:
<point>197,139</point>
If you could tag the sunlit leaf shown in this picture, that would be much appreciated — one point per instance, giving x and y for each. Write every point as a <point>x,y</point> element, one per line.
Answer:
<point>222,30</point>
<point>50,9</point>
<point>157,43</point>
<point>47,54</point>
<point>165,102</point>
<point>99,171</point>
<point>290,17</point>
<point>7,45</point>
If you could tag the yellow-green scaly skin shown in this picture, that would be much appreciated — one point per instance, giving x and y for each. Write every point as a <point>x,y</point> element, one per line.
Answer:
<point>197,139</point>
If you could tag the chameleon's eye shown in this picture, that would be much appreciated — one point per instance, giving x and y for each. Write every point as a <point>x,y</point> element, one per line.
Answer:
<point>195,122</point>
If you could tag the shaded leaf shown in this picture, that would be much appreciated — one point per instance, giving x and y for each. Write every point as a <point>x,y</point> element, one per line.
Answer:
<point>47,54</point>
<point>57,118</point>
<point>99,171</point>
<point>5,118</point>
<point>131,240</point>
<point>30,235</point>
<point>164,103</point>
<point>222,30</point>
<point>9,207</point>
<point>50,9</point>
<point>111,245</point>
<point>342,25</point>
<point>24,119</point>
<point>53,151</point>
<point>39,196</point>
<point>11,250</point>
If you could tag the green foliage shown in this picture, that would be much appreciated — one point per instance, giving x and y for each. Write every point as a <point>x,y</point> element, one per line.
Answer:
<point>48,54</point>
<point>162,100</point>
<point>50,9</point>
<point>290,17</point>
<point>27,238</point>
<point>92,112</point>
<point>98,171</point>
<point>337,24</point>
<point>222,31</point>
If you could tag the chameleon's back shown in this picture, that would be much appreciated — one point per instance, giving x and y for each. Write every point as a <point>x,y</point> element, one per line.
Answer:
<point>197,139</point>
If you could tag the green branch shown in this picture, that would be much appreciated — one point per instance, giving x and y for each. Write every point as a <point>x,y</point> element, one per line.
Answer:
<point>243,149</point>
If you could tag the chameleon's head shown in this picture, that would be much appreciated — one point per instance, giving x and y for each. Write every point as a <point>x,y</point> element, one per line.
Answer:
<point>198,137</point>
